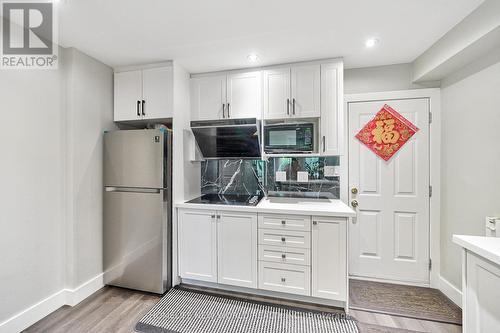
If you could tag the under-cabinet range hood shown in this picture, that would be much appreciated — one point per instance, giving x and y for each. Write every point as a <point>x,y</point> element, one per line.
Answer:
<point>228,138</point>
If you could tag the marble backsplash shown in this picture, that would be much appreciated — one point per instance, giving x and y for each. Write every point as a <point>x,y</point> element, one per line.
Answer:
<point>257,177</point>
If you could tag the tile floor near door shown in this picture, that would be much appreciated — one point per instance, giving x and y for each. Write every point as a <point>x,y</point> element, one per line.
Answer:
<point>118,310</point>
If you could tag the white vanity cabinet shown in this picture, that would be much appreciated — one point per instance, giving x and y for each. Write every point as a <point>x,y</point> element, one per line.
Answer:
<point>226,96</point>
<point>480,283</point>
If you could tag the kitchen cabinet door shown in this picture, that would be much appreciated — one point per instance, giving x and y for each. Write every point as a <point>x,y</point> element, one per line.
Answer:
<point>197,239</point>
<point>208,97</point>
<point>237,249</point>
<point>331,108</point>
<point>329,258</point>
<point>305,85</point>
<point>277,93</point>
<point>157,94</point>
<point>127,95</point>
<point>244,97</point>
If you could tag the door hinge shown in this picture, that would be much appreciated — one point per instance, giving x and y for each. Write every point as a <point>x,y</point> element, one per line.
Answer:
<point>430,264</point>
<point>430,117</point>
<point>430,191</point>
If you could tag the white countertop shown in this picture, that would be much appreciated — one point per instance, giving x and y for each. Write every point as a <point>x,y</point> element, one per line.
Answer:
<point>487,247</point>
<point>297,206</point>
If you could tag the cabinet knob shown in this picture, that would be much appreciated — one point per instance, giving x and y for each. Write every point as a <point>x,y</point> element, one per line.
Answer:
<point>283,239</point>
<point>283,279</point>
<point>283,256</point>
<point>283,222</point>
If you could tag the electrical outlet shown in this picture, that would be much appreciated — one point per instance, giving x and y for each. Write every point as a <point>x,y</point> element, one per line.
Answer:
<point>302,176</point>
<point>281,176</point>
<point>330,171</point>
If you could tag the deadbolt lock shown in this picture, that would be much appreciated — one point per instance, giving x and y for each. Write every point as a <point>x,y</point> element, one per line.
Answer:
<point>354,190</point>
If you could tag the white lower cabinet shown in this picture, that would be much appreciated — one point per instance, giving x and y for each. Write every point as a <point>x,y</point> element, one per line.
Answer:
<point>237,249</point>
<point>299,255</point>
<point>197,238</point>
<point>329,258</point>
<point>294,279</point>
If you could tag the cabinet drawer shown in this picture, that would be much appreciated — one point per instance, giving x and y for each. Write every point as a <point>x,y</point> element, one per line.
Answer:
<point>285,238</point>
<point>285,222</point>
<point>285,278</point>
<point>285,255</point>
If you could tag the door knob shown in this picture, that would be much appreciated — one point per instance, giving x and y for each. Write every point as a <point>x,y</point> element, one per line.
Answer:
<point>354,203</point>
<point>354,190</point>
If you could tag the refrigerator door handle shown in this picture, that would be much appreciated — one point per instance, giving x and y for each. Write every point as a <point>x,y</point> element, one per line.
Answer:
<point>132,189</point>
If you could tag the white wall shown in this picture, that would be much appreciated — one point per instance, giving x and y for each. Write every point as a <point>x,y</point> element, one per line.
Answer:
<point>89,112</point>
<point>382,78</point>
<point>31,169</point>
<point>470,161</point>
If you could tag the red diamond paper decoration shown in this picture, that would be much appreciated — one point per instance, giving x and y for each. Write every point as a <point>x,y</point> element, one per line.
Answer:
<point>387,132</point>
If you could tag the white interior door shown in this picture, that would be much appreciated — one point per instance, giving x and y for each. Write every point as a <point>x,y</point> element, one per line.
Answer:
<point>389,238</point>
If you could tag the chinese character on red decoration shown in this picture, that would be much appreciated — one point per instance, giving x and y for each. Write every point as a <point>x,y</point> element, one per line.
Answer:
<point>386,133</point>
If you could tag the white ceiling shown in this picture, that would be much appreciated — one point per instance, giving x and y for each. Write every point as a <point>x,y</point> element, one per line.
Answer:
<point>209,35</point>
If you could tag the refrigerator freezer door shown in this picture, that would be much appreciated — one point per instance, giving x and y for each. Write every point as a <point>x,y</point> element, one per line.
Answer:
<point>136,241</point>
<point>134,158</point>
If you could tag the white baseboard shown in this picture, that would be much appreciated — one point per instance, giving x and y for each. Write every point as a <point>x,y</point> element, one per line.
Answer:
<point>75,296</point>
<point>34,313</point>
<point>450,291</point>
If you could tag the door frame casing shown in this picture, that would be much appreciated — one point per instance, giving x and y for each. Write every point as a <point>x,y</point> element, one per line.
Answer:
<point>434,96</point>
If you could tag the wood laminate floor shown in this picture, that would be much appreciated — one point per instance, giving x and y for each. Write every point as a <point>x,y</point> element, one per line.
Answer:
<point>118,310</point>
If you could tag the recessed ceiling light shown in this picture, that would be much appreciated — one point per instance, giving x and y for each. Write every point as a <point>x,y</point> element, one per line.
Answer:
<point>371,42</point>
<point>252,57</point>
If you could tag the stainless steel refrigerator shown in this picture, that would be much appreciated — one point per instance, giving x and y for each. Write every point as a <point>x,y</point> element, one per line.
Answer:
<point>137,231</point>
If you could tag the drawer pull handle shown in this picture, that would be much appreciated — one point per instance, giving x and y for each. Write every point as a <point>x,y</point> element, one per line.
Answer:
<point>283,279</point>
<point>283,239</point>
<point>283,256</point>
<point>283,222</point>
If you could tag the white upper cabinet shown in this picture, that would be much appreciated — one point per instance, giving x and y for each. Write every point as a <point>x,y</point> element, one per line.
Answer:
<point>143,94</point>
<point>277,93</point>
<point>244,95</point>
<point>305,91</point>
<point>128,95</point>
<point>332,93</point>
<point>231,96</point>
<point>208,97</point>
<point>157,92</point>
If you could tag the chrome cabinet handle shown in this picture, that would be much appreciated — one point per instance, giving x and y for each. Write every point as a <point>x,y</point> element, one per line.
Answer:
<point>288,106</point>
<point>143,104</point>
<point>228,115</point>
<point>293,106</point>
<point>324,143</point>
<point>138,108</point>
<point>223,110</point>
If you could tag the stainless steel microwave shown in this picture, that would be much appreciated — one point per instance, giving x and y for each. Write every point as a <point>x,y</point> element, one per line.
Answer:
<point>289,138</point>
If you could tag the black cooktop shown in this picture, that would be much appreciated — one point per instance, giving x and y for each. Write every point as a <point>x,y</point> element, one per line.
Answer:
<point>228,199</point>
